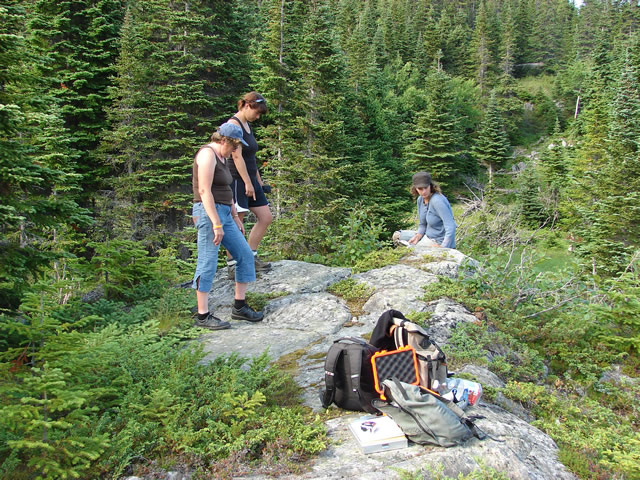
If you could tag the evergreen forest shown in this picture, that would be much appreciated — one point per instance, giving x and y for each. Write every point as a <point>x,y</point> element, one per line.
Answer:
<point>526,112</point>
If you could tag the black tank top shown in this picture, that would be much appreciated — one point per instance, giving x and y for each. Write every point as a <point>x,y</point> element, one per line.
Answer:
<point>248,152</point>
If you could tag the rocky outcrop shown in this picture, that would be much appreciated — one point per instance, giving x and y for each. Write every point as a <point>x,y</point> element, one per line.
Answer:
<point>306,319</point>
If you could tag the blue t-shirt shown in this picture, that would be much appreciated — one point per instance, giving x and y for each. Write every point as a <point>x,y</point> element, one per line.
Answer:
<point>436,220</point>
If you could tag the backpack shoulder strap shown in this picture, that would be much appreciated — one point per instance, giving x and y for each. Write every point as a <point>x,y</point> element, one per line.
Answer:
<point>333,356</point>
<point>402,405</point>
<point>355,367</point>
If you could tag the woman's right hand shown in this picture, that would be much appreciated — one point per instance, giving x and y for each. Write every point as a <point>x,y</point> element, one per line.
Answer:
<point>248,190</point>
<point>415,239</point>
<point>218,233</point>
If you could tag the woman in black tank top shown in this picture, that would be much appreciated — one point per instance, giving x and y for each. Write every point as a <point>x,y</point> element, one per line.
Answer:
<point>247,184</point>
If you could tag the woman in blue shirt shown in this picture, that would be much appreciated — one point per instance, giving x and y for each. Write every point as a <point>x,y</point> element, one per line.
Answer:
<point>436,226</point>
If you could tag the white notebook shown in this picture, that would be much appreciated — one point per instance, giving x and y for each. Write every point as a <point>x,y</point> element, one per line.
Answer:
<point>377,434</point>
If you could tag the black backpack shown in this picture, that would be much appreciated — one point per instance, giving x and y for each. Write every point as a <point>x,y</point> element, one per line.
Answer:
<point>348,375</point>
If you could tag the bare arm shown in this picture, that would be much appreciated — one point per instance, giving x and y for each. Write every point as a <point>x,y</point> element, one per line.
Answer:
<point>206,161</point>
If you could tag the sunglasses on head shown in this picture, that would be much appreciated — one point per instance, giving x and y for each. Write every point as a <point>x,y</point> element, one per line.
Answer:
<point>260,100</point>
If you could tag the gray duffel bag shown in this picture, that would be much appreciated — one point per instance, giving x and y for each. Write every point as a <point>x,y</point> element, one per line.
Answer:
<point>426,417</point>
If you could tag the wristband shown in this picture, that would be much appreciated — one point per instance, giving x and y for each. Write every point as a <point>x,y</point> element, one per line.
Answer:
<point>235,216</point>
<point>215,227</point>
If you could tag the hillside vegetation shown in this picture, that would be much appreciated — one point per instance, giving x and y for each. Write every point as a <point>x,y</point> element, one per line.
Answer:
<point>526,112</point>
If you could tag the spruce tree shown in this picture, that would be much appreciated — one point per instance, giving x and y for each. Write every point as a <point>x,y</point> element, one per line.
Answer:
<point>508,41</point>
<point>528,198</point>
<point>79,40</point>
<point>492,146</point>
<point>455,36</point>
<point>429,43</point>
<point>312,173</point>
<point>180,69</point>
<point>276,79</point>
<point>554,169</point>
<point>615,231</point>
<point>37,179</point>
<point>482,47</point>
<point>523,26</point>
<point>436,146</point>
<point>359,50</point>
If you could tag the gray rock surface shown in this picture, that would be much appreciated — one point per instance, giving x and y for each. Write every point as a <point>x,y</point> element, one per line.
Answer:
<point>308,319</point>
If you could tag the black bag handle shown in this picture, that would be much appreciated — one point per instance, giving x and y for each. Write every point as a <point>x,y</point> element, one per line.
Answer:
<point>329,394</point>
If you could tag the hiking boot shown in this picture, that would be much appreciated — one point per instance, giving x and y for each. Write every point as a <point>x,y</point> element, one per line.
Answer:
<point>260,265</point>
<point>212,323</point>
<point>231,272</point>
<point>246,313</point>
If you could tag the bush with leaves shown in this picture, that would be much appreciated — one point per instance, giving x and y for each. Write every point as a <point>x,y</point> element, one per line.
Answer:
<point>358,237</point>
<point>595,440</point>
<point>553,333</point>
<point>90,390</point>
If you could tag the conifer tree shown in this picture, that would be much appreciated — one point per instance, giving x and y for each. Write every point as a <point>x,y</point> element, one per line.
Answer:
<point>312,173</point>
<point>180,69</point>
<point>508,53</point>
<point>37,180</point>
<point>482,46</point>
<point>523,26</point>
<point>79,41</point>
<point>277,79</point>
<point>528,198</point>
<point>455,36</point>
<point>554,168</point>
<point>492,146</point>
<point>615,231</point>
<point>593,121</point>
<point>436,146</point>
<point>429,42</point>
<point>359,49</point>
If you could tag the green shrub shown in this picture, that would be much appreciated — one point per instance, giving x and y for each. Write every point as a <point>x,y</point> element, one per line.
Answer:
<point>595,442</point>
<point>354,293</point>
<point>350,289</point>
<point>378,259</point>
<point>259,300</point>
<point>357,238</point>
<point>436,473</point>
<point>95,397</point>
<point>121,264</point>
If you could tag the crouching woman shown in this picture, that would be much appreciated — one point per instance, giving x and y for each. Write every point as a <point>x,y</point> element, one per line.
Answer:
<point>436,226</point>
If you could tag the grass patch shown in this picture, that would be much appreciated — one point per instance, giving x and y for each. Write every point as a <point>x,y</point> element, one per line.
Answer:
<point>534,85</point>
<point>258,301</point>
<point>355,294</point>
<point>378,259</point>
